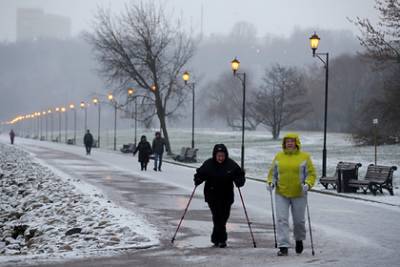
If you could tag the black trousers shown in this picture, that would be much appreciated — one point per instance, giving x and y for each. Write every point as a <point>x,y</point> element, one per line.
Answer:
<point>220,214</point>
<point>143,165</point>
<point>88,148</point>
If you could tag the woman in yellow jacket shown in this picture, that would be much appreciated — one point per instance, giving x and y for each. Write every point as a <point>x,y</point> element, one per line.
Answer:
<point>292,174</point>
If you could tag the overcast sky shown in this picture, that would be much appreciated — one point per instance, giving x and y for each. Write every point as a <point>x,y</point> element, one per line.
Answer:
<point>278,17</point>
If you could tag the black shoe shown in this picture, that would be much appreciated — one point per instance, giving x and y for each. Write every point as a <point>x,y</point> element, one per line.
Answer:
<point>222,245</point>
<point>155,169</point>
<point>299,246</point>
<point>159,169</point>
<point>283,251</point>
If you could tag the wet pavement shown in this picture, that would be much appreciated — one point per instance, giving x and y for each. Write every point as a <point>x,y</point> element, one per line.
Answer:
<point>162,205</point>
<point>346,232</point>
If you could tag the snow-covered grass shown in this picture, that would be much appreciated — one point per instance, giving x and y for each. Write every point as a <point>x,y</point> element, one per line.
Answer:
<point>45,213</point>
<point>260,149</point>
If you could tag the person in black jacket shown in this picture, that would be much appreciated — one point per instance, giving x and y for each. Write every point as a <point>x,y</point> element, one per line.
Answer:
<point>144,149</point>
<point>88,142</point>
<point>12,136</point>
<point>219,173</point>
<point>158,150</point>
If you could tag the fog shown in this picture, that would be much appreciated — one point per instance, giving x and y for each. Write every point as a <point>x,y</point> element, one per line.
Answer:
<point>38,75</point>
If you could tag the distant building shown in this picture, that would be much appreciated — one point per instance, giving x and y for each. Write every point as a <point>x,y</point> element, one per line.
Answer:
<point>33,24</point>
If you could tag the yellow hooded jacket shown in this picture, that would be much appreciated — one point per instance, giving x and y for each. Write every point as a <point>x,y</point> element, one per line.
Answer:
<point>291,169</point>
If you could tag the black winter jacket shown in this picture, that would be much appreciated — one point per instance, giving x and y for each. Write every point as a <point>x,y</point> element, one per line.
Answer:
<point>88,139</point>
<point>219,179</point>
<point>144,149</point>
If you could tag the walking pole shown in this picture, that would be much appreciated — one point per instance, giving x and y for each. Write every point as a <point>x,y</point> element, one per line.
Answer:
<point>247,217</point>
<point>309,226</point>
<point>184,213</point>
<point>273,217</point>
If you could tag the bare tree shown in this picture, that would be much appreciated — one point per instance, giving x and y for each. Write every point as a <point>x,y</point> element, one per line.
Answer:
<point>225,102</point>
<point>382,41</point>
<point>143,46</point>
<point>281,99</point>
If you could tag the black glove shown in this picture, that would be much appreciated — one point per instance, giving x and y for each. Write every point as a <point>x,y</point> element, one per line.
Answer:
<point>239,182</point>
<point>197,181</point>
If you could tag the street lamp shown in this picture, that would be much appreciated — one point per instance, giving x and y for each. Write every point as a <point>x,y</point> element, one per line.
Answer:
<point>39,124</point>
<point>131,91</point>
<point>59,124</point>
<point>186,77</point>
<point>83,106</point>
<point>63,110</point>
<point>375,123</point>
<point>49,112</point>
<point>114,103</point>
<point>97,102</point>
<point>44,113</point>
<point>235,64</point>
<point>72,106</point>
<point>314,42</point>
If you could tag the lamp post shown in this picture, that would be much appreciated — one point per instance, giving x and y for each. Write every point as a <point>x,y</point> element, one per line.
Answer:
<point>39,125</point>
<point>83,106</point>
<point>114,103</point>
<point>375,123</point>
<point>59,124</point>
<point>72,107</point>
<point>63,110</point>
<point>50,113</point>
<point>131,91</point>
<point>96,102</point>
<point>47,126</point>
<point>314,42</point>
<point>235,64</point>
<point>186,77</point>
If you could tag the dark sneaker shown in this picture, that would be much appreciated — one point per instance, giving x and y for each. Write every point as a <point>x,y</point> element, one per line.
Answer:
<point>299,246</point>
<point>222,245</point>
<point>283,251</point>
<point>159,169</point>
<point>155,169</point>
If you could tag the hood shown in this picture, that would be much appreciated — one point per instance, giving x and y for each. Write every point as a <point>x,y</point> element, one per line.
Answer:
<point>292,136</point>
<point>143,138</point>
<point>220,148</point>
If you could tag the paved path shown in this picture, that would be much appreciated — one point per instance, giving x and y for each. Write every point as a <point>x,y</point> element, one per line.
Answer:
<point>346,232</point>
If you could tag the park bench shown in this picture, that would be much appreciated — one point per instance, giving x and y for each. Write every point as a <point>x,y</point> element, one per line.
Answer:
<point>346,169</point>
<point>191,155</point>
<point>128,148</point>
<point>182,155</point>
<point>377,177</point>
<point>187,155</point>
<point>71,142</point>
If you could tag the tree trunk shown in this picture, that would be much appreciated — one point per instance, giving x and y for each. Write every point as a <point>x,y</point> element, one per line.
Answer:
<point>163,124</point>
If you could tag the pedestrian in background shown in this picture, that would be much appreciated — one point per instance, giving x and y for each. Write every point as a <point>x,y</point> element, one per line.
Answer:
<point>219,173</point>
<point>292,174</point>
<point>12,136</point>
<point>88,142</point>
<point>158,150</point>
<point>144,149</point>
